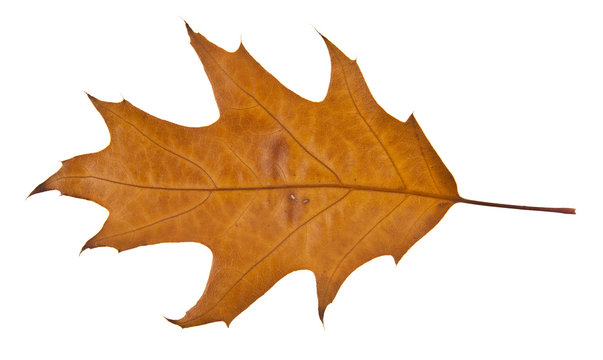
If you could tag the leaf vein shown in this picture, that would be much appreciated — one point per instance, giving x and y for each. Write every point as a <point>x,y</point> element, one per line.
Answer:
<point>159,221</point>
<point>161,146</point>
<point>242,162</point>
<point>345,79</point>
<point>277,187</point>
<point>239,217</point>
<point>425,160</point>
<point>274,249</point>
<point>271,115</point>
<point>362,238</point>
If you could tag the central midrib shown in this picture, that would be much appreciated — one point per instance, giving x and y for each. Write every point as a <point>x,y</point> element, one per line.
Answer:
<point>280,187</point>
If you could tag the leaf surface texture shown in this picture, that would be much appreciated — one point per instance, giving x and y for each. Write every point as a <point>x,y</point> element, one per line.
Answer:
<point>277,184</point>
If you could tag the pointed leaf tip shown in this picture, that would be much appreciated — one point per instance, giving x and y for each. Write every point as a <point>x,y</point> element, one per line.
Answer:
<point>319,33</point>
<point>334,51</point>
<point>40,188</point>
<point>89,245</point>
<point>412,118</point>
<point>92,99</point>
<point>321,315</point>
<point>175,322</point>
<point>85,247</point>
<point>189,30</point>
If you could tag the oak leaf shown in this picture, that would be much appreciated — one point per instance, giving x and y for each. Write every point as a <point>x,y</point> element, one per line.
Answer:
<point>277,184</point>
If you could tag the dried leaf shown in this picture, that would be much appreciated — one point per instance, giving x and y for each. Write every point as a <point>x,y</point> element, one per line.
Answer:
<point>277,184</point>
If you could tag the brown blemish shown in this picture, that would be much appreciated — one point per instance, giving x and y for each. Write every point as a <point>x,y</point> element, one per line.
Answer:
<point>276,158</point>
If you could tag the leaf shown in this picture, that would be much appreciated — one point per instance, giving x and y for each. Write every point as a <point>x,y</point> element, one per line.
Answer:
<point>277,184</point>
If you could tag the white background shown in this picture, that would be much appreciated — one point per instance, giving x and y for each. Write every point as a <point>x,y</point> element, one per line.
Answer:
<point>510,95</point>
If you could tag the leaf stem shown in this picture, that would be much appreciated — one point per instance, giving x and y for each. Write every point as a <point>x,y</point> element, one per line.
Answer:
<point>520,207</point>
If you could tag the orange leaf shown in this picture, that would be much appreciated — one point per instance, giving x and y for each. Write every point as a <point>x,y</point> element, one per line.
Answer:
<point>277,184</point>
